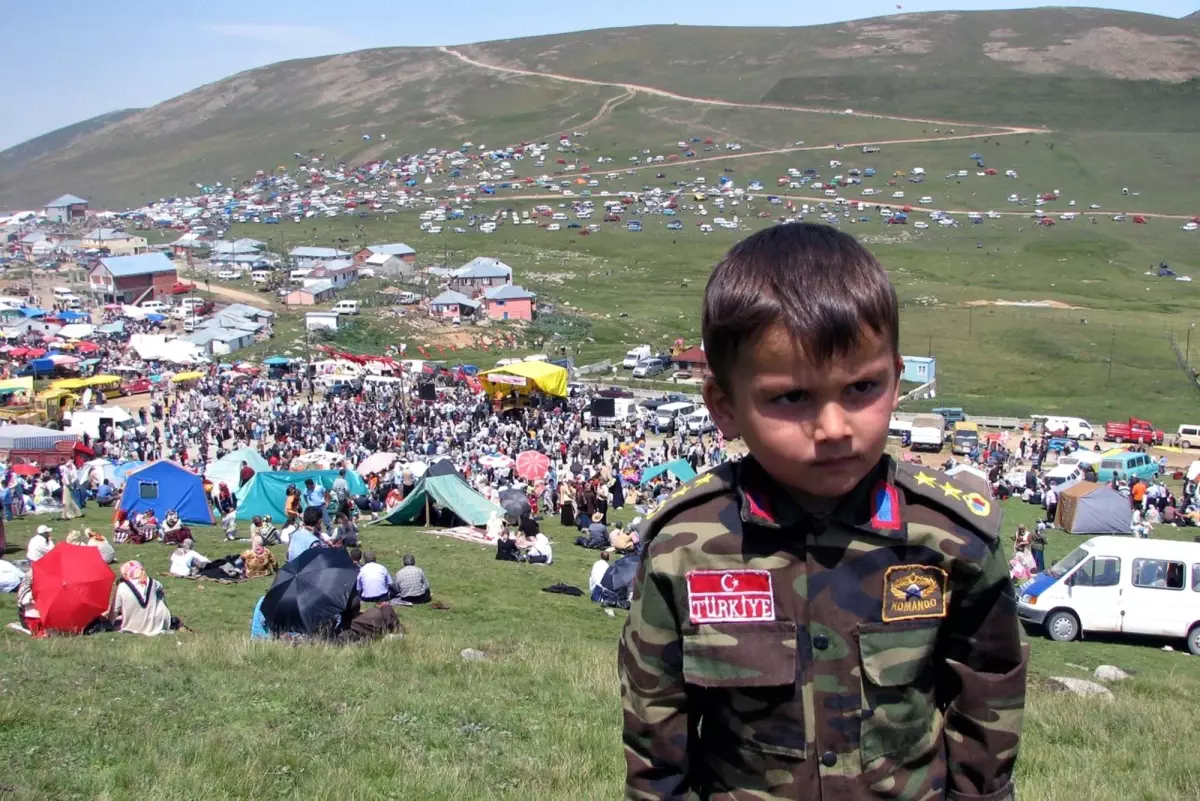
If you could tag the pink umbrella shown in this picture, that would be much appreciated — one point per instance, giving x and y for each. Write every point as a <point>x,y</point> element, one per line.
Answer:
<point>63,360</point>
<point>532,465</point>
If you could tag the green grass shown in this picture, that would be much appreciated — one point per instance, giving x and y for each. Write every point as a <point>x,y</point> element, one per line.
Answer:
<point>207,714</point>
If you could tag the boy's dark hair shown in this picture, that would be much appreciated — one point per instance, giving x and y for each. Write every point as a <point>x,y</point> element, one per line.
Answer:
<point>819,283</point>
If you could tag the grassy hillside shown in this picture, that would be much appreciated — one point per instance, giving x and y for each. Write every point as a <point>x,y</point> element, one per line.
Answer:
<point>746,63</point>
<point>1113,71</point>
<point>219,717</point>
<point>50,143</point>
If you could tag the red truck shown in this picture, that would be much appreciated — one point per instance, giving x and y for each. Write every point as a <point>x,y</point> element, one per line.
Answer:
<point>1134,430</point>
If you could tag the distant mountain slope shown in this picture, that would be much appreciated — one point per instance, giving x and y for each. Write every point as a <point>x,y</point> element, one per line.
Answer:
<point>48,143</point>
<point>1067,68</point>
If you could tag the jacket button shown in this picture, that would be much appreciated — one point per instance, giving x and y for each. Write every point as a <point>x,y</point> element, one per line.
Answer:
<point>820,642</point>
<point>829,759</point>
<point>867,714</point>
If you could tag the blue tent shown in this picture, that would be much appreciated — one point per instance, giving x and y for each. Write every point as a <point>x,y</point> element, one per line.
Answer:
<point>163,486</point>
<point>264,494</point>
<point>32,311</point>
<point>277,361</point>
<point>42,365</point>
<point>72,315</point>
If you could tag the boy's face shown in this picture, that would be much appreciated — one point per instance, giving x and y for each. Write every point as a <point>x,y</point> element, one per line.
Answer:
<point>816,428</point>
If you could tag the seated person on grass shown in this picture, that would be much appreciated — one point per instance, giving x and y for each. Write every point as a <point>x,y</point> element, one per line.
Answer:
<point>105,494</point>
<point>411,585</point>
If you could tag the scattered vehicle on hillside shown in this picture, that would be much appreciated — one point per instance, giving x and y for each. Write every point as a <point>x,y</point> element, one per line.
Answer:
<point>1133,430</point>
<point>965,438</point>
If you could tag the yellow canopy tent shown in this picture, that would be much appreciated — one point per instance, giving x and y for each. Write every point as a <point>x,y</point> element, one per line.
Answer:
<point>70,383</point>
<point>83,383</point>
<point>524,377</point>
<point>188,376</point>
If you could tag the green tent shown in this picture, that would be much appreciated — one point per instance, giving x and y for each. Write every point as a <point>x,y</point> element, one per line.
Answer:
<point>229,467</point>
<point>449,492</point>
<point>265,493</point>
<point>680,468</point>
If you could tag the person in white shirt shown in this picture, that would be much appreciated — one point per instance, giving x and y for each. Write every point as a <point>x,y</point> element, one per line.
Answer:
<point>186,562</point>
<point>598,570</point>
<point>540,552</point>
<point>40,544</point>
<point>374,580</point>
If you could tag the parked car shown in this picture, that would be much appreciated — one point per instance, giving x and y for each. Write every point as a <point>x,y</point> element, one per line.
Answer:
<point>229,275</point>
<point>648,368</point>
<point>136,386</point>
<point>615,392</point>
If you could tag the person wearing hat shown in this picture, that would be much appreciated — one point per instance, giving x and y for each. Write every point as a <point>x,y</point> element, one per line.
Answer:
<point>597,530</point>
<point>40,544</point>
<point>186,562</point>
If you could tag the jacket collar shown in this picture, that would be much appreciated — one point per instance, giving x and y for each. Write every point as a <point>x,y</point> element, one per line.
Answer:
<point>873,506</point>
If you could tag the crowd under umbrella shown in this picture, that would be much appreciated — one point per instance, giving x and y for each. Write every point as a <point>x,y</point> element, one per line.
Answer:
<point>621,574</point>
<point>310,591</point>
<point>71,587</point>
<point>514,502</point>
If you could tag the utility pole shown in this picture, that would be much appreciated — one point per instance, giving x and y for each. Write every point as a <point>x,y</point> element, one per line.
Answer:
<point>970,320</point>
<point>1112,348</point>
<point>1188,348</point>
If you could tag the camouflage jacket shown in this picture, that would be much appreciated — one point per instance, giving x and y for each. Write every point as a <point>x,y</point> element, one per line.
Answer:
<point>869,653</point>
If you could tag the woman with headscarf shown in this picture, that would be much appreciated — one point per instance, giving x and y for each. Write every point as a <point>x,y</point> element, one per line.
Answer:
<point>185,562</point>
<point>97,540</point>
<point>259,561</point>
<point>173,529</point>
<point>139,605</point>
<point>566,503</point>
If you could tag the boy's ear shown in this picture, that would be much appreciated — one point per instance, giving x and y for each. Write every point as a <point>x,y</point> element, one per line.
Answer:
<point>720,406</point>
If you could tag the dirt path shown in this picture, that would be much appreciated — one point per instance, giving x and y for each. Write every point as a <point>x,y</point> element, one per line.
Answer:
<point>250,298</point>
<point>708,101</point>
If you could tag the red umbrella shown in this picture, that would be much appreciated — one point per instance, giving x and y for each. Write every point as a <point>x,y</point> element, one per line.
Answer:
<point>25,469</point>
<point>35,353</point>
<point>71,587</point>
<point>87,347</point>
<point>19,353</point>
<point>532,466</point>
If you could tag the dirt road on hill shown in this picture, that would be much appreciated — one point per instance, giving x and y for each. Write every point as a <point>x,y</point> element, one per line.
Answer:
<point>708,101</point>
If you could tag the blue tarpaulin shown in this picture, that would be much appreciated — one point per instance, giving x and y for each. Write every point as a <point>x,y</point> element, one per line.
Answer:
<point>277,361</point>
<point>679,468</point>
<point>30,311</point>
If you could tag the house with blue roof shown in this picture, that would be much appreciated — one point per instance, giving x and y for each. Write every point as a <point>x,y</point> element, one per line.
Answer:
<point>510,302</point>
<point>305,257</point>
<point>65,209</point>
<point>479,275</point>
<point>115,241</point>
<point>132,279</point>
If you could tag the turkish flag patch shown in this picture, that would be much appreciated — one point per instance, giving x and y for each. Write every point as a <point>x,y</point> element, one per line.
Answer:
<point>730,596</point>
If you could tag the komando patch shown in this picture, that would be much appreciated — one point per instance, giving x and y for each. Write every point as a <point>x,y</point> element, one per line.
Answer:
<point>914,592</point>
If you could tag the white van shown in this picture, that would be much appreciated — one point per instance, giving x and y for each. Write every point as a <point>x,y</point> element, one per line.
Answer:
<point>625,410</point>
<point>346,307</point>
<point>1083,458</point>
<point>260,276</point>
<point>928,431</point>
<point>636,355</point>
<point>1121,585</point>
<point>1189,436</point>
<point>1064,475</point>
<point>668,414</point>
<point>62,293</point>
<point>700,421</point>
<point>1076,427</point>
<point>154,306</point>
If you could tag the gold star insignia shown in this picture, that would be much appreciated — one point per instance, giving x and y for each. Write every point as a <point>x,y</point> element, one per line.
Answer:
<point>926,480</point>
<point>952,490</point>
<point>704,479</point>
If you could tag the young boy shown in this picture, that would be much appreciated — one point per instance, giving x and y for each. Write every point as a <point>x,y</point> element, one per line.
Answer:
<point>817,621</point>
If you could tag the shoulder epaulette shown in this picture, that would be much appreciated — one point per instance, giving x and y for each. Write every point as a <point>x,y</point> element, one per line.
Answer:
<point>719,480</point>
<point>970,505</point>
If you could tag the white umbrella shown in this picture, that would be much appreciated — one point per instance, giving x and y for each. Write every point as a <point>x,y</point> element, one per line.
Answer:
<point>376,463</point>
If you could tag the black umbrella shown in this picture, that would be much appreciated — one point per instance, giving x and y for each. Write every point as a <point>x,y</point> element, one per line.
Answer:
<point>442,467</point>
<point>310,591</point>
<point>514,502</point>
<point>576,468</point>
<point>622,573</point>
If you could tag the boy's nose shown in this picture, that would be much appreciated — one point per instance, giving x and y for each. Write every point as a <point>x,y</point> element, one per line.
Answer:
<point>831,424</point>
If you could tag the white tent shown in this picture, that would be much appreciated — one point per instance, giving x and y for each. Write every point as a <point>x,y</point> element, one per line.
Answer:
<point>100,468</point>
<point>77,331</point>
<point>156,347</point>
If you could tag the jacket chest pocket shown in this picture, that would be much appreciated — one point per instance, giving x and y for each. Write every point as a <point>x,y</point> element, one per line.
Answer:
<point>900,719</point>
<point>752,698</point>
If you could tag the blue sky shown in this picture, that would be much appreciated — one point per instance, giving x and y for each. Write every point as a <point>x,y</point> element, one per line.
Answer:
<point>66,62</point>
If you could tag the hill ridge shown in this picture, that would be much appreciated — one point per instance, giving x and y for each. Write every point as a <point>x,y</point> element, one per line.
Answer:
<point>425,97</point>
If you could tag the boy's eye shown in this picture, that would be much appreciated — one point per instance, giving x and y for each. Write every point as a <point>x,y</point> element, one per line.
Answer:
<point>863,387</point>
<point>787,398</point>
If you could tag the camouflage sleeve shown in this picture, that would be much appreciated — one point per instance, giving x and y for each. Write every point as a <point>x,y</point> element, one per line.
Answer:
<point>982,683</point>
<point>653,694</point>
